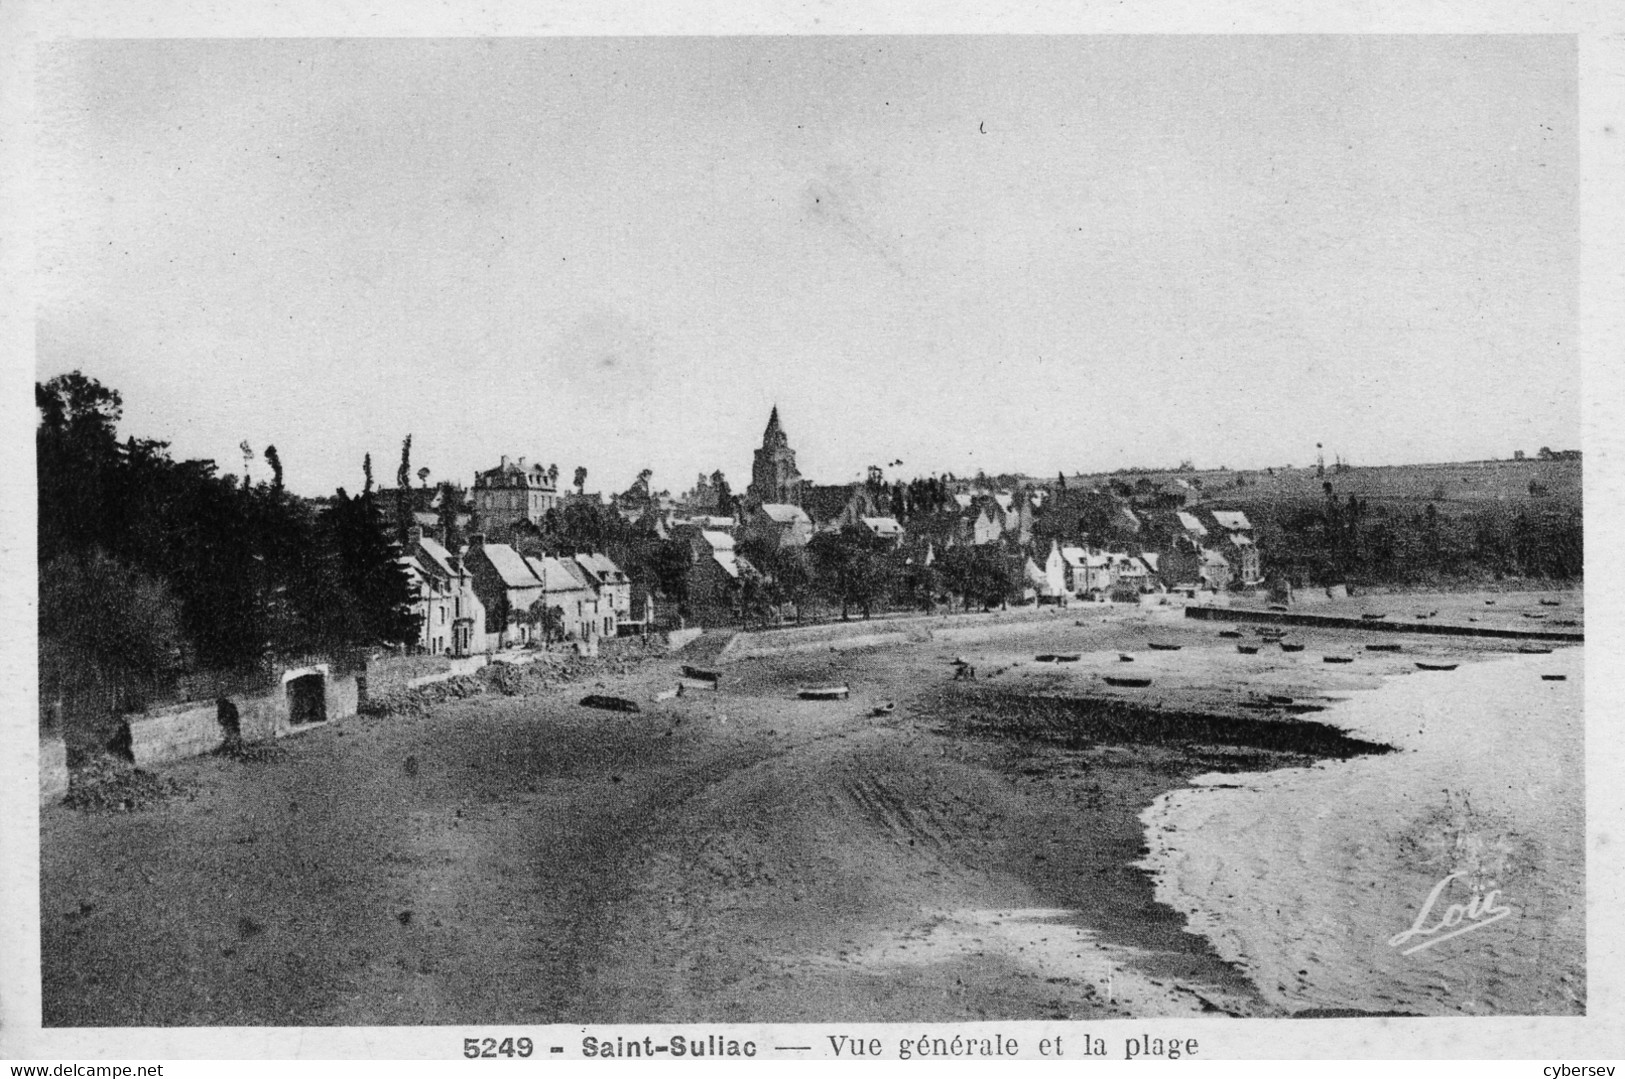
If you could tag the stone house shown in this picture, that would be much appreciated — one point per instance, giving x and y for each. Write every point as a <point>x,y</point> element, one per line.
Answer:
<point>1055,572</point>
<point>453,617</point>
<point>510,493</point>
<point>570,600</point>
<point>1239,546</point>
<point>779,525</point>
<point>506,587</point>
<point>885,529</point>
<point>612,586</point>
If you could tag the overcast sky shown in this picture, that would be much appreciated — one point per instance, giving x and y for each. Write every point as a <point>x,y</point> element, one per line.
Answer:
<point>1003,253</point>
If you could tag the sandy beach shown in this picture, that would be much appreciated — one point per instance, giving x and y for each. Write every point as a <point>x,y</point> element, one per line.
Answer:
<point>973,852</point>
<point>1339,859</point>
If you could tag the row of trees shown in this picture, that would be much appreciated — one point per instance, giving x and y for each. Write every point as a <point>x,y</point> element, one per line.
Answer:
<point>149,565</point>
<point>854,572</point>
<point>1352,540</point>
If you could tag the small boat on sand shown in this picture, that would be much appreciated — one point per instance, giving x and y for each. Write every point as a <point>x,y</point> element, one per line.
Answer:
<point>1046,658</point>
<point>824,693</point>
<point>1533,615</point>
<point>1277,606</point>
<point>1551,603</point>
<point>1247,649</point>
<point>1158,646</point>
<point>1279,700</point>
<point>1534,650</point>
<point>612,704</point>
<point>1289,647</point>
<point>1489,603</point>
<point>1230,633</point>
<point>1125,658</point>
<point>1128,683</point>
<point>1338,659</point>
<point>1436,666</point>
<point>883,710</point>
<point>1382,648</point>
<point>1564,622</point>
<point>1554,678</point>
<point>1068,659</point>
<point>1370,617</point>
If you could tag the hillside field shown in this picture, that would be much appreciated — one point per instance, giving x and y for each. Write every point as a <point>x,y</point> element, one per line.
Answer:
<point>1468,483</point>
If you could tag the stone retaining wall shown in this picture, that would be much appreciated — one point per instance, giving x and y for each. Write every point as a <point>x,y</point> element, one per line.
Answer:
<point>191,730</point>
<point>1327,621</point>
<point>175,734</point>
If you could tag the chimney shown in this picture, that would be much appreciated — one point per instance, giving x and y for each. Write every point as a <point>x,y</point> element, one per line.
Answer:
<point>476,540</point>
<point>521,464</point>
<point>414,535</point>
<point>504,460</point>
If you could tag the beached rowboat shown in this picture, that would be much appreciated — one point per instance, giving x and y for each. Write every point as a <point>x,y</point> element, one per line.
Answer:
<point>613,704</point>
<point>1128,683</point>
<point>824,693</point>
<point>1247,649</point>
<point>1382,648</point>
<point>1436,666</point>
<point>1338,659</point>
<point>1285,647</point>
<point>1157,646</point>
<point>1554,678</point>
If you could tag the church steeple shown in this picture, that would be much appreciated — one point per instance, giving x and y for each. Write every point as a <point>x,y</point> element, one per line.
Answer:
<point>774,478</point>
<point>774,435</point>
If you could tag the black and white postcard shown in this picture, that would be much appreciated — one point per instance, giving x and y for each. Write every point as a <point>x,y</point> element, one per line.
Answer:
<point>664,537</point>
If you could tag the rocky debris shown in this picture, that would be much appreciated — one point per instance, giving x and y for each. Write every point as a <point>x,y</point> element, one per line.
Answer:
<point>421,698</point>
<point>550,670</point>
<point>250,752</point>
<point>109,785</point>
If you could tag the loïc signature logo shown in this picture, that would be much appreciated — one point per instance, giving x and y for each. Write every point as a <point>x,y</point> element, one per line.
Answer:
<point>1457,919</point>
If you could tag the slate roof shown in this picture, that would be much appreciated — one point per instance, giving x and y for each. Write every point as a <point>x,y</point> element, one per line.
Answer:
<point>559,578</point>
<point>1190,523</point>
<point>601,567</point>
<point>784,514</point>
<point>439,557</point>
<point>510,566</point>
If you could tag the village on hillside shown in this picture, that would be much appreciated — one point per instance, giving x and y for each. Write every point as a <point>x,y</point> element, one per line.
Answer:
<point>520,561</point>
<point>516,560</point>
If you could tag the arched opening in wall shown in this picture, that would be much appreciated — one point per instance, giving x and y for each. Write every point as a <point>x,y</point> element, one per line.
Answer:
<point>230,721</point>
<point>307,699</point>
